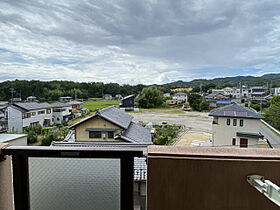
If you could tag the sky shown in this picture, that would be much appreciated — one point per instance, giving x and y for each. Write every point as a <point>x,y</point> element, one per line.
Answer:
<point>139,41</point>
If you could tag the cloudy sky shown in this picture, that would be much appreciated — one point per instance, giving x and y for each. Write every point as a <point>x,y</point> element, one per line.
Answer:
<point>139,41</point>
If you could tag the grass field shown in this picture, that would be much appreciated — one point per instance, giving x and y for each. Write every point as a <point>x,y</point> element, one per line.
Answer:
<point>94,105</point>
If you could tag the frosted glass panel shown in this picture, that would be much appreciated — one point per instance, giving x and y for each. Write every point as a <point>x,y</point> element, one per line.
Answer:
<point>74,184</point>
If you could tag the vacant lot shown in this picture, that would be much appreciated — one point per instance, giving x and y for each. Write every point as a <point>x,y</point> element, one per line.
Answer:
<point>196,121</point>
<point>94,105</point>
<point>193,137</point>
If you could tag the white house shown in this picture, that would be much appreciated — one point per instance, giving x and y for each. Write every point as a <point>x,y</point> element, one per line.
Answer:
<point>180,97</point>
<point>275,91</point>
<point>62,112</point>
<point>21,115</point>
<point>234,125</point>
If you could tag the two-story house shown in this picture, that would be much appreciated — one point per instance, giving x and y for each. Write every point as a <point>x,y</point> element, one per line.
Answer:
<point>180,97</point>
<point>234,125</point>
<point>21,115</point>
<point>62,112</point>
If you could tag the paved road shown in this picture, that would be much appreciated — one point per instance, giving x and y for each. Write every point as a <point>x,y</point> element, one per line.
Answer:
<point>195,120</point>
<point>273,139</point>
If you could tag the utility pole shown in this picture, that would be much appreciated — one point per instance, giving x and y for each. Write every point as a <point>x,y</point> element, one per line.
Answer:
<point>200,88</point>
<point>12,92</point>
<point>240,92</point>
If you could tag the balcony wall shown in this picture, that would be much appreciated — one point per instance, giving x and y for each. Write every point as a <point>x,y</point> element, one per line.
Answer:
<point>209,178</point>
<point>6,187</point>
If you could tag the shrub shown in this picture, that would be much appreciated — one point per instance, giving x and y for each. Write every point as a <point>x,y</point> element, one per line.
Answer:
<point>47,139</point>
<point>161,140</point>
<point>31,137</point>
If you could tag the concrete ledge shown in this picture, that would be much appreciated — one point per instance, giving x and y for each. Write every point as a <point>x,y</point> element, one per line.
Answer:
<point>214,152</point>
<point>6,186</point>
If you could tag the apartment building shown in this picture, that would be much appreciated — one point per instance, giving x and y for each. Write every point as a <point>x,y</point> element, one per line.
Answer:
<point>234,125</point>
<point>21,115</point>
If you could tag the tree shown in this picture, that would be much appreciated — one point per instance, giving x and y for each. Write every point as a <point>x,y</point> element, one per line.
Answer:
<point>203,106</point>
<point>31,137</point>
<point>194,100</point>
<point>150,97</point>
<point>272,114</point>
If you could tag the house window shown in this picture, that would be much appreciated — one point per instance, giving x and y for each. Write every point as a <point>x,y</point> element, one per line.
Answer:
<point>41,112</point>
<point>228,121</point>
<point>33,113</point>
<point>241,123</point>
<point>49,111</point>
<point>233,141</point>
<point>110,134</point>
<point>234,122</point>
<point>95,134</point>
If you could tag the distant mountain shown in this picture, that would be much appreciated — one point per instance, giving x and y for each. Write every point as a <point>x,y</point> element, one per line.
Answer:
<point>270,79</point>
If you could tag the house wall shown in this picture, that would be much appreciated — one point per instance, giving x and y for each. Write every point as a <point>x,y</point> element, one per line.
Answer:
<point>58,116</point>
<point>37,118</point>
<point>96,122</point>
<point>14,120</point>
<point>223,133</point>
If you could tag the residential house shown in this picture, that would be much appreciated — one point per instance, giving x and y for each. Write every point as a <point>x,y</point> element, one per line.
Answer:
<point>234,125</point>
<point>218,91</point>
<point>21,115</point>
<point>180,97</point>
<point>107,97</point>
<point>77,108</point>
<point>127,102</point>
<point>166,95</point>
<point>62,112</point>
<point>31,99</point>
<point>65,99</point>
<point>118,97</point>
<point>3,117</point>
<point>275,91</point>
<point>111,125</point>
<point>259,91</point>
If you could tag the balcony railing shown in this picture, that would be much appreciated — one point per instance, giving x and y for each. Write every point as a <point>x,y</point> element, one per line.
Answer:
<point>72,178</point>
<point>102,178</point>
<point>209,178</point>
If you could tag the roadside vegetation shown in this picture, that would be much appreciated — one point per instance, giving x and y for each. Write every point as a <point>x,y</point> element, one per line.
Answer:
<point>166,133</point>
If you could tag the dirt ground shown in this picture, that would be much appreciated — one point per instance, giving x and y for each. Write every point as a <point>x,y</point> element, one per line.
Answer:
<point>196,121</point>
<point>192,138</point>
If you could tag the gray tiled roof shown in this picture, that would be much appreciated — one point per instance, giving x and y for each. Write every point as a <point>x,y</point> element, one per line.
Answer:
<point>59,105</point>
<point>235,110</point>
<point>116,116</point>
<point>74,102</point>
<point>32,105</point>
<point>137,134</point>
<point>112,114</point>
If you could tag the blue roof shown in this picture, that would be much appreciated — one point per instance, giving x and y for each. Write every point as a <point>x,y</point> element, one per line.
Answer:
<point>227,102</point>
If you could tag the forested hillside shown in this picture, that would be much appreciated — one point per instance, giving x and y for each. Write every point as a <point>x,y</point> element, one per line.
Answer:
<point>52,90</point>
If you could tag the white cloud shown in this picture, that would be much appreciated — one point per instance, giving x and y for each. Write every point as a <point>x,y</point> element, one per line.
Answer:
<point>141,41</point>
